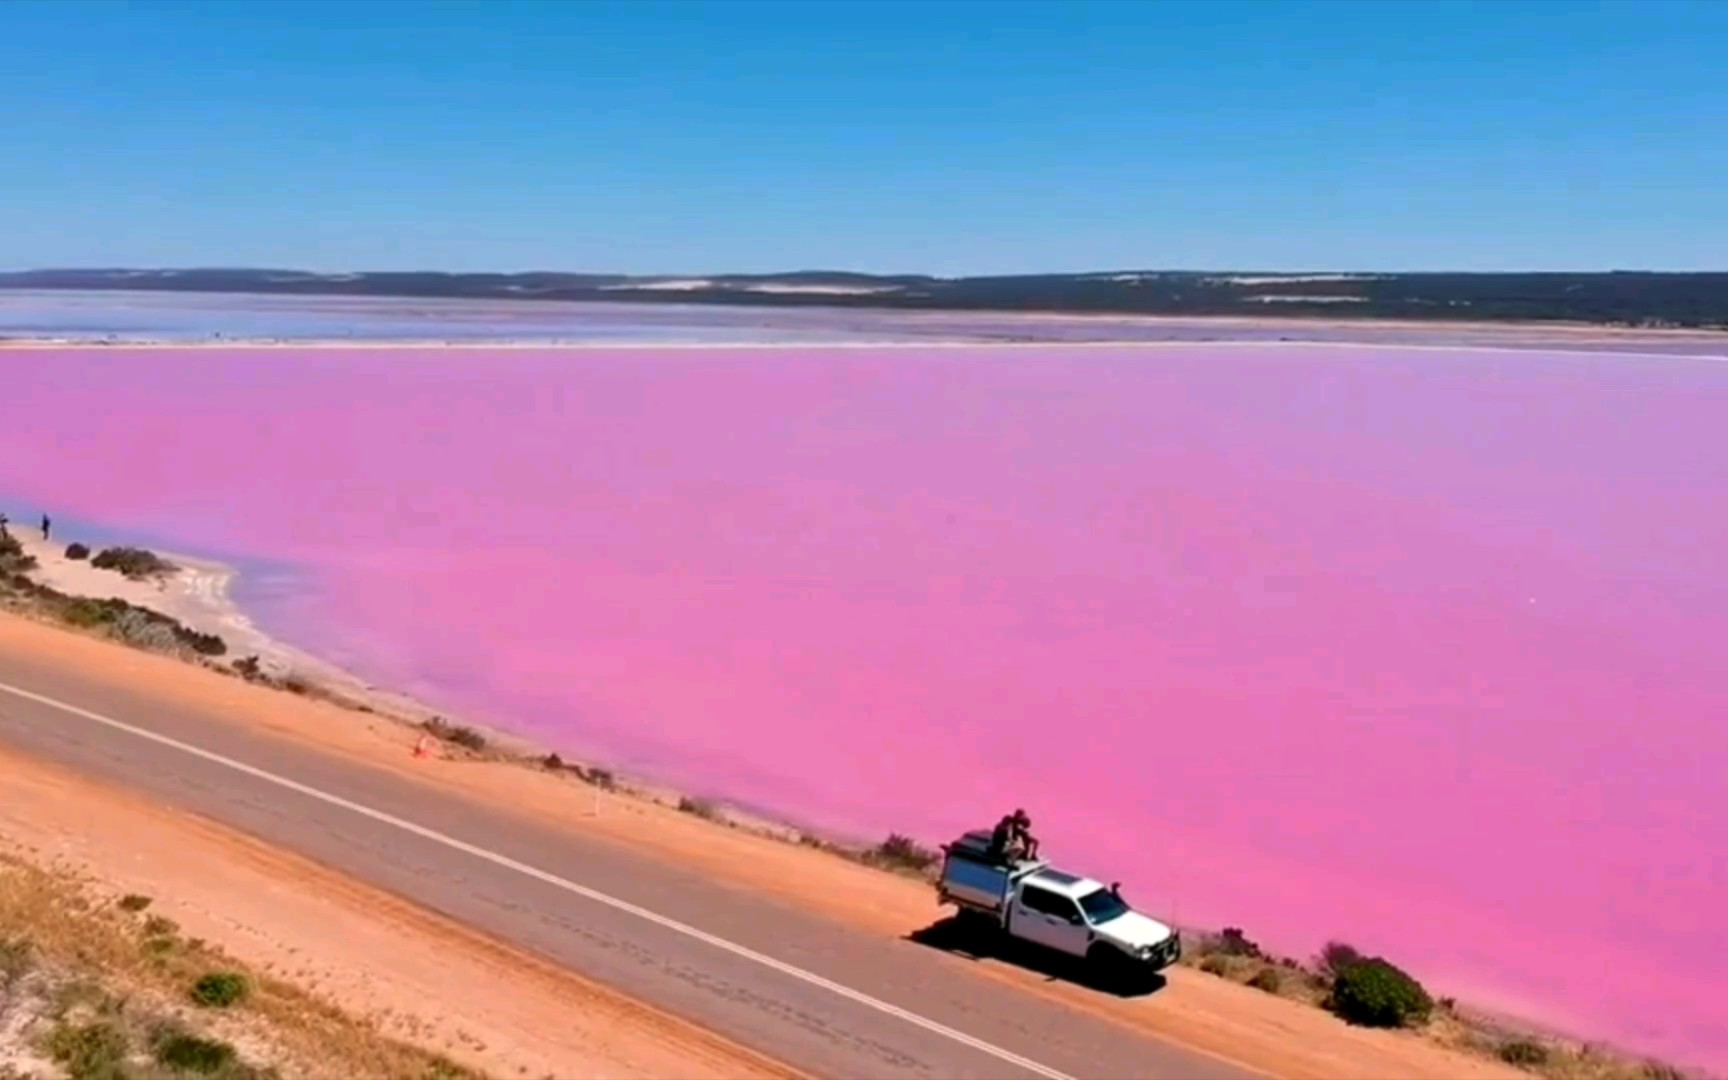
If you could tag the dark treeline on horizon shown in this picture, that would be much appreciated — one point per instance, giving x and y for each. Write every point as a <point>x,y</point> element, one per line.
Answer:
<point>1626,298</point>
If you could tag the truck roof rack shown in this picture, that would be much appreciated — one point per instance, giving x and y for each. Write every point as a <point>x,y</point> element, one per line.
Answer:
<point>975,845</point>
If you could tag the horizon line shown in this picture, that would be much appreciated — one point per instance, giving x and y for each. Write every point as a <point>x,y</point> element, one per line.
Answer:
<point>1102,272</point>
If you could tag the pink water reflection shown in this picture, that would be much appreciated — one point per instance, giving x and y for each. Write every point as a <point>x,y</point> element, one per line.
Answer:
<point>1425,649</point>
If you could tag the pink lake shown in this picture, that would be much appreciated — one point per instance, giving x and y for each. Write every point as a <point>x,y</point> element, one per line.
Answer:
<point>1423,649</point>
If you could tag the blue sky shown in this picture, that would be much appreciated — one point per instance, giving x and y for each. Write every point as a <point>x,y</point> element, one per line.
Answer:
<point>945,137</point>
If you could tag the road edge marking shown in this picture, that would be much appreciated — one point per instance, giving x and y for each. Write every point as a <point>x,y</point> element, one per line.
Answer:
<point>857,997</point>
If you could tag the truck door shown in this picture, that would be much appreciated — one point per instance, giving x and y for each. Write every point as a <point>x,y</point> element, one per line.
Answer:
<point>1050,919</point>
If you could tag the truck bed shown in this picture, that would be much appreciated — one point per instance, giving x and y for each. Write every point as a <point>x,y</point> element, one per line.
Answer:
<point>975,884</point>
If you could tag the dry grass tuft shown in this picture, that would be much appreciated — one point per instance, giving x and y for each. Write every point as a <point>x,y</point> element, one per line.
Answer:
<point>115,989</point>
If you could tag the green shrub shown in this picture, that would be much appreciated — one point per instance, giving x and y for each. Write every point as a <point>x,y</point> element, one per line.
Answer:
<point>903,851</point>
<point>135,563</point>
<point>137,626</point>
<point>1268,979</point>
<point>189,1053</point>
<point>1232,941</point>
<point>200,643</point>
<point>440,728</point>
<point>145,630</point>
<point>93,1051</point>
<point>1215,965</point>
<point>601,778</point>
<point>75,552</point>
<point>157,926</point>
<point>1376,993</point>
<point>134,902</point>
<point>16,955</point>
<point>12,557</point>
<point>81,611</point>
<point>702,808</point>
<point>553,763</point>
<point>442,1068</point>
<point>220,989</point>
<point>1522,1052</point>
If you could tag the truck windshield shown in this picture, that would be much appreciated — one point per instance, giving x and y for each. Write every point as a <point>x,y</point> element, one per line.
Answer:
<point>1102,906</point>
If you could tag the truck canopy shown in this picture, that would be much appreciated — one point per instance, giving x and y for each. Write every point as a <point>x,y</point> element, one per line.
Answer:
<point>972,877</point>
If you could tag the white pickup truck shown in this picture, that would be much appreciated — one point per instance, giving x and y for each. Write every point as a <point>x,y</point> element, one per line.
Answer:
<point>1031,901</point>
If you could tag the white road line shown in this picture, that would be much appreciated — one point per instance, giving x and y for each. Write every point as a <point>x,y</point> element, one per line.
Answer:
<point>810,977</point>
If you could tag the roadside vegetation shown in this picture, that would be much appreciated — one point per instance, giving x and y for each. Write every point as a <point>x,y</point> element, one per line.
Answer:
<point>93,988</point>
<point>904,854</point>
<point>455,734</point>
<point>1367,991</point>
<point>127,623</point>
<point>111,617</point>
<point>13,560</point>
<point>1371,991</point>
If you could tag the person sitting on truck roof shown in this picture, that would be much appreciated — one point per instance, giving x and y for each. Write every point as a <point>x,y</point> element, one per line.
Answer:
<point>1001,837</point>
<point>1021,840</point>
<point>1012,839</point>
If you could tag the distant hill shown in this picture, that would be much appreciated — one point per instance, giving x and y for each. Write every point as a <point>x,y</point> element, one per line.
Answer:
<point>1621,298</point>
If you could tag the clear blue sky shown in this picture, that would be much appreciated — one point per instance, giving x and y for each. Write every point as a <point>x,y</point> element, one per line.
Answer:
<point>944,137</point>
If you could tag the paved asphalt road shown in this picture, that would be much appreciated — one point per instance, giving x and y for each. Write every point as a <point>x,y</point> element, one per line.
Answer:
<point>816,996</point>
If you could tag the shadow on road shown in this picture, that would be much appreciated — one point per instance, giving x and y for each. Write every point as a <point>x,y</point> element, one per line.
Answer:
<point>953,936</point>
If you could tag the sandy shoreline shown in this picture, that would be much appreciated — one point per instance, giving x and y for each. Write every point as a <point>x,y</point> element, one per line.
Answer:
<point>1578,342</point>
<point>914,317</point>
<point>200,596</point>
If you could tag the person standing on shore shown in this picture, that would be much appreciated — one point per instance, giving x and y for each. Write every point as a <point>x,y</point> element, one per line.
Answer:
<point>47,525</point>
